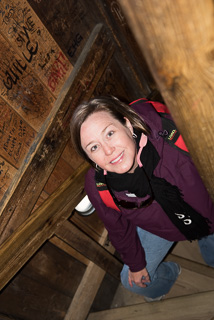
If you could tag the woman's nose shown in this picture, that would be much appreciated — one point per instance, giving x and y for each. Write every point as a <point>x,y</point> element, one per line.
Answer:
<point>108,149</point>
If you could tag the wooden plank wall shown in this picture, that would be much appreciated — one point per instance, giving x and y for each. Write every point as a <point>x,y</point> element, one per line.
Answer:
<point>54,54</point>
<point>42,55</point>
<point>29,87</point>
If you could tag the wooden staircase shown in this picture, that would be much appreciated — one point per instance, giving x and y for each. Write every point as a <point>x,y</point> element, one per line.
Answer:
<point>191,298</point>
<point>191,307</point>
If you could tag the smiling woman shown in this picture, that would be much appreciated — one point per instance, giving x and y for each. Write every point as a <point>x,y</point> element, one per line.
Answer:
<point>109,143</point>
<point>147,193</point>
<point>110,105</point>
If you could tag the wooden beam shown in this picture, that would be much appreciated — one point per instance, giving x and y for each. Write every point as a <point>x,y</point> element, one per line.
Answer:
<point>191,307</point>
<point>50,218</point>
<point>88,287</point>
<point>133,59</point>
<point>51,140</point>
<point>69,250</point>
<point>176,37</point>
<point>40,226</point>
<point>81,242</point>
<point>192,266</point>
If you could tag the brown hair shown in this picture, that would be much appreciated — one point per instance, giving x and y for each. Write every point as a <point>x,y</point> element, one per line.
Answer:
<point>110,104</point>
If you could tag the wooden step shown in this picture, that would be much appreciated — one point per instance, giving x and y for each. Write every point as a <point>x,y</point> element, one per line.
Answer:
<point>194,278</point>
<point>192,266</point>
<point>192,307</point>
<point>188,250</point>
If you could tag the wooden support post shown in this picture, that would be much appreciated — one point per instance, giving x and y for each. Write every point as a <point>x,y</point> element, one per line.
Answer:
<point>69,250</point>
<point>88,287</point>
<point>176,37</point>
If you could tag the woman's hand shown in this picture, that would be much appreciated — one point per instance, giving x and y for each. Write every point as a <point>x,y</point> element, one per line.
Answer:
<point>139,278</point>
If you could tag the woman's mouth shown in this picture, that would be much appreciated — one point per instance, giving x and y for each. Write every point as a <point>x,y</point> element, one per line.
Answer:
<point>118,158</point>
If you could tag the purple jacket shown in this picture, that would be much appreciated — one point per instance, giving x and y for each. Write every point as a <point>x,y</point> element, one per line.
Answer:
<point>178,169</point>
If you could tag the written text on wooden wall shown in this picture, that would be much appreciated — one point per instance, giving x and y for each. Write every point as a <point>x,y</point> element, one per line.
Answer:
<point>33,69</point>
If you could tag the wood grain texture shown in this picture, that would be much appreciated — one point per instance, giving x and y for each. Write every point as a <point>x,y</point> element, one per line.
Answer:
<point>134,60</point>
<point>40,226</point>
<point>54,268</point>
<point>117,81</point>
<point>176,38</point>
<point>60,173</point>
<point>197,267</point>
<point>7,173</point>
<point>26,33</point>
<point>69,22</point>
<point>192,307</point>
<point>81,242</point>
<point>21,88</point>
<point>91,225</point>
<point>188,250</point>
<point>43,288</point>
<point>88,287</point>
<point>71,157</point>
<point>27,298</point>
<point>69,250</point>
<point>16,135</point>
<point>52,139</point>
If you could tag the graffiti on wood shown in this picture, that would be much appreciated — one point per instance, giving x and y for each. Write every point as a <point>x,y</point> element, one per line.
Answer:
<point>69,22</point>
<point>26,33</point>
<point>21,89</point>
<point>107,84</point>
<point>7,173</point>
<point>16,135</point>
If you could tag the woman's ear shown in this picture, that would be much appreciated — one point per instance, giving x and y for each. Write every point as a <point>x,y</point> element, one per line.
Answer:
<point>129,125</point>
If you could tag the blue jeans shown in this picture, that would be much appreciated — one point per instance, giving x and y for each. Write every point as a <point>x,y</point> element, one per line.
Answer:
<point>206,246</point>
<point>162,274</point>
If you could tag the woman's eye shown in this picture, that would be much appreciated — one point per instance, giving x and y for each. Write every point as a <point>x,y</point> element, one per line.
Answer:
<point>110,133</point>
<point>94,148</point>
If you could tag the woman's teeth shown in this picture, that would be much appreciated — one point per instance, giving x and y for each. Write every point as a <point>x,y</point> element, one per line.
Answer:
<point>118,158</point>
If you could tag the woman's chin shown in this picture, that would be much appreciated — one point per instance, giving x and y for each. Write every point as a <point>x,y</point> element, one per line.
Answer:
<point>122,170</point>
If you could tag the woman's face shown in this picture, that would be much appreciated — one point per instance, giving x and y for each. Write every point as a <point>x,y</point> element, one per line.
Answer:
<point>108,143</point>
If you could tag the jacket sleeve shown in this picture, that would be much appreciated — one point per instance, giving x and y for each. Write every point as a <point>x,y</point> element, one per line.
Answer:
<point>122,233</point>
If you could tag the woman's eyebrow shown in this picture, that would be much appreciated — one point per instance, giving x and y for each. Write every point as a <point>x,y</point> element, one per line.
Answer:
<point>106,127</point>
<point>101,133</point>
